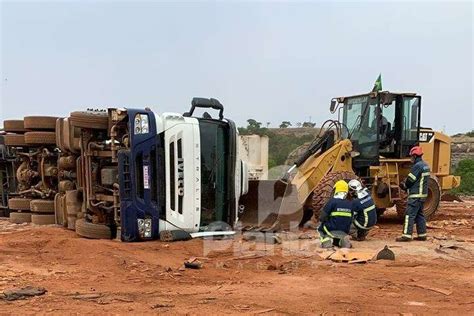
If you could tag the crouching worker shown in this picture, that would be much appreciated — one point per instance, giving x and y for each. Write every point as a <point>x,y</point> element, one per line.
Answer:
<point>336,218</point>
<point>365,213</point>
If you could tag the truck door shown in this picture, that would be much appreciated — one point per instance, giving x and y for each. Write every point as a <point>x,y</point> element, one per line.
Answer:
<point>183,175</point>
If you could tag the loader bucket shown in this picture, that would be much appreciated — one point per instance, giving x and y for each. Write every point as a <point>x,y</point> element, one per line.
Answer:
<point>270,205</point>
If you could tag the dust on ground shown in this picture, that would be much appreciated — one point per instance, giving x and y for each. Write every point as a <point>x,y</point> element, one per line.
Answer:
<point>110,277</point>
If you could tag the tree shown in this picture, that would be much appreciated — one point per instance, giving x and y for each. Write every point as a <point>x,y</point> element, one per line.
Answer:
<point>308,124</point>
<point>298,124</point>
<point>253,124</point>
<point>285,124</point>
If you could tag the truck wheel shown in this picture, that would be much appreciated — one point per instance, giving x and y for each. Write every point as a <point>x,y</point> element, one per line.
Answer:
<point>91,230</point>
<point>323,191</point>
<point>43,219</point>
<point>433,199</point>
<point>40,122</point>
<point>19,204</point>
<point>20,217</point>
<point>89,119</point>
<point>42,206</point>
<point>14,126</point>
<point>14,140</point>
<point>40,138</point>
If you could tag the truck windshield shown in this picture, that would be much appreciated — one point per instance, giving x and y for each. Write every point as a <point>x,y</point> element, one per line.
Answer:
<point>360,117</point>
<point>214,170</point>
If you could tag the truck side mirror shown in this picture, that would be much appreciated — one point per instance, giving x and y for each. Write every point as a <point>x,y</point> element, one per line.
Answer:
<point>332,108</point>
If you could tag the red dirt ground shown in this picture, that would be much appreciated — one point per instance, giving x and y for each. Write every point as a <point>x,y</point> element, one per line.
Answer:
<point>110,277</point>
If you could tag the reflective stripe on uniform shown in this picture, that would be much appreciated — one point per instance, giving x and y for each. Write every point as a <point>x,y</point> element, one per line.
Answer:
<point>366,216</point>
<point>407,236</point>
<point>418,195</point>
<point>359,225</point>
<point>327,231</point>
<point>405,225</point>
<point>412,176</point>
<point>423,175</point>
<point>421,235</point>
<point>341,214</point>
<point>325,239</point>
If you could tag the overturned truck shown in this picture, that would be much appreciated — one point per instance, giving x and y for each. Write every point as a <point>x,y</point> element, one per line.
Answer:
<point>132,174</point>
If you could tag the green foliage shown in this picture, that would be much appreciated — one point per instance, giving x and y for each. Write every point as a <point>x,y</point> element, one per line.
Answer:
<point>465,169</point>
<point>470,134</point>
<point>285,124</point>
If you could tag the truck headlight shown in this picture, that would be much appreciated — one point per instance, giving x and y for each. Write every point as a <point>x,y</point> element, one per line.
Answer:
<point>141,124</point>
<point>144,227</point>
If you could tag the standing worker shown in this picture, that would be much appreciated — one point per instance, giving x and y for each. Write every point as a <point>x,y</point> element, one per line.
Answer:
<point>417,185</point>
<point>365,213</point>
<point>336,218</point>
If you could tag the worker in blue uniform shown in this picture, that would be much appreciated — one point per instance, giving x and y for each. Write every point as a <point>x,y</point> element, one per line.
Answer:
<point>336,218</point>
<point>417,186</point>
<point>365,213</point>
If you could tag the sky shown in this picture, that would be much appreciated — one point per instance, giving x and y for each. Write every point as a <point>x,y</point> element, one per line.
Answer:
<point>270,61</point>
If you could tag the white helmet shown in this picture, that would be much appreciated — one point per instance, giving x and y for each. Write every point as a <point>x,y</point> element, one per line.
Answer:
<point>355,185</point>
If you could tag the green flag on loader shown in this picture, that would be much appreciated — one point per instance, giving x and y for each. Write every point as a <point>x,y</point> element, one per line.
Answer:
<point>378,84</point>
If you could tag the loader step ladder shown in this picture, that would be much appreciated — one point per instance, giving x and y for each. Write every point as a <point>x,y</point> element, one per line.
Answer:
<point>391,170</point>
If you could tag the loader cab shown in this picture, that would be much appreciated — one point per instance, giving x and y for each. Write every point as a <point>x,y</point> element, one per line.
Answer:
<point>380,124</point>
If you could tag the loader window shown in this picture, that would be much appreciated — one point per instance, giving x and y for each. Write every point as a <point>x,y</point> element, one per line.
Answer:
<point>359,116</point>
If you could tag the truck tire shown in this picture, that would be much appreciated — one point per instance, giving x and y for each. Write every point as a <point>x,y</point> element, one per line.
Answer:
<point>40,138</point>
<point>19,204</point>
<point>14,126</point>
<point>42,206</point>
<point>89,119</point>
<point>91,230</point>
<point>431,203</point>
<point>323,191</point>
<point>43,219</point>
<point>14,140</point>
<point>20,217</point>
<point>40,122</point>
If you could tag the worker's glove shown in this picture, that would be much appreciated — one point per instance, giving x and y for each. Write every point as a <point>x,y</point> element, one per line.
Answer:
<point>403,186</point>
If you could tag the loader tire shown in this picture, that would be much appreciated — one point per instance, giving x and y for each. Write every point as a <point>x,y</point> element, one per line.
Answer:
<point>14,126</point>
<point>431,203</point>
<point>91,230</point>
<point>14,140</point>
<point>40,138</point>
<point>19,204</point>
<point>42,206</point>
<point>89,119</point>
<point>20,217</point>
<point>323,191</point>
<point>40,122</point>
<point>434,197</point>
<point>43,219</point>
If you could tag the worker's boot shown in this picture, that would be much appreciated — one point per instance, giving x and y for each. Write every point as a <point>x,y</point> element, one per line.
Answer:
<point>420,238</point>
<point>345,243</point>
<point>403,239</point>
<point>326,244</point>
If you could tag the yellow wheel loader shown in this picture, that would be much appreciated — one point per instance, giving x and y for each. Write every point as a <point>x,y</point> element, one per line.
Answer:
<point>370,142</point>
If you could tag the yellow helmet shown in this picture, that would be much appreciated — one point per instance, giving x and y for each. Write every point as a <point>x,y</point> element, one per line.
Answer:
<point>341,186</point>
